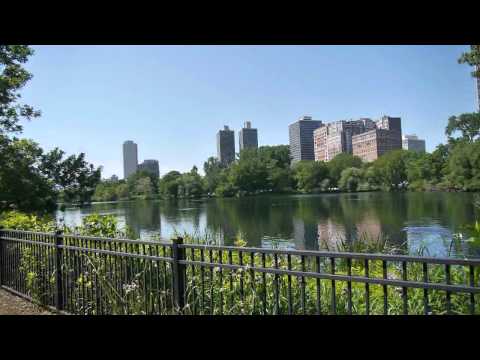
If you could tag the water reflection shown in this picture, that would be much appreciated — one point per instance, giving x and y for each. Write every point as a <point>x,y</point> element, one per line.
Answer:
<point>408,220</point>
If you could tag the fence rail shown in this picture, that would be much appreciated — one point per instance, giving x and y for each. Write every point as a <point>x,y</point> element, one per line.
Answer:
<point>95,276</point>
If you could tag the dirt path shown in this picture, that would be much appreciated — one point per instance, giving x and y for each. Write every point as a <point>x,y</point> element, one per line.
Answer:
<point>15,305</point>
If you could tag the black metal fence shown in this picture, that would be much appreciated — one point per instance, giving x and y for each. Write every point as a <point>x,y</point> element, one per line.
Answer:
<point>94,276</point>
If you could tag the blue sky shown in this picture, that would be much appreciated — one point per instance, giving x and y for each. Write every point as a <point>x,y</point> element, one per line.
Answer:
<point>171,100</point>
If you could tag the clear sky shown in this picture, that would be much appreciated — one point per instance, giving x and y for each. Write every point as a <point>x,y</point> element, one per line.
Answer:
<point>171,100</point>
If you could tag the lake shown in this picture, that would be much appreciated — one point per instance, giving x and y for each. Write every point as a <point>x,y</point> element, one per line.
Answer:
<point>408,220</point>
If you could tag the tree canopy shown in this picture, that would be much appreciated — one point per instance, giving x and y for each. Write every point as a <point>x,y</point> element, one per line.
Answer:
<point>30,179</point>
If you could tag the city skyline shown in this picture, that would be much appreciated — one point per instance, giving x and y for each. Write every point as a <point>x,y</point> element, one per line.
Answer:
<point>169,99</point>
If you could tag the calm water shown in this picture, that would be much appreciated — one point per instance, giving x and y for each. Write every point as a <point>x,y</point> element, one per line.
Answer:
<point>408,220</point>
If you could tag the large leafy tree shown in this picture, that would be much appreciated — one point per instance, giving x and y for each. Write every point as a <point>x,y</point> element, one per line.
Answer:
<point>213,173</point>
<point>350,179</point>
<point>249,173</point>
<point>472,58</point>
<point>463,167</point>
<point>13,77</point>
<point>23,185</point>
<point>390,169</point>
<point>467,124</point>
<point>29,178</point>
<point>73,176</point>
<point>169,184</point>
<point>339,163</point>
<point>191,185</point>
<point>309,175</point>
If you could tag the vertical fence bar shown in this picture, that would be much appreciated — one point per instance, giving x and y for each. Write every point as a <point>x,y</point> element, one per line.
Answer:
<point>178,274</point>
<point>303,300</point>
<point>2,262</point>
<point>425,291</point>
<point>220,261</point>
<point>277,292</point>
<point>212,282</point>
<point>240,262</point>
<point>367,289</point>
<point>264,286</point>
<point>252,277</point>
<point>385,289</point>
<point>202,279</point>
<point>230,276</point>
<point>58,269</point>
<point>349,285</point>
<point>448,295</point>
<point>404,289</point>
<point>334,296</point>
<point>472,284</point>
<point>319,284</point>
<point>289,279</point>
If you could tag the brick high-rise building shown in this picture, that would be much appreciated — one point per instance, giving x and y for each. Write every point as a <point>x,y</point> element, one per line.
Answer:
<point>336,137</point>
<point>301,138</point>
<point>374,143</point>
<point>130,158</point>
<point>248,137</point>
<point>226,146</point>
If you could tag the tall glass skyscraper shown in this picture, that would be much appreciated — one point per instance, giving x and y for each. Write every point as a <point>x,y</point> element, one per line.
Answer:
<point>130,158</point>
<point>301,138</point>
<point>226,146</point>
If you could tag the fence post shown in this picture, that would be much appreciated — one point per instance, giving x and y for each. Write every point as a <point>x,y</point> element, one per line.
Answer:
<point>1,256</point>
<point>178,271</point>
<point>58,269</point>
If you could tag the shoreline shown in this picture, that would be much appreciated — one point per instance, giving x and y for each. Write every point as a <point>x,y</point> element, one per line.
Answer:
<point>74,206</point>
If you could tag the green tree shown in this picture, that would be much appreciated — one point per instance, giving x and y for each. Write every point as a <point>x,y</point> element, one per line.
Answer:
<point>309,175</point>
<point>350,179</point>
<point>134,186</point>
<point>122,191</point>
<point>213,169</point>
<point>339,163</point>
<point>191,185</point>
<point>13,78</point>
<point>472,58</point>
<point>249,174</point>
<point>278,154</point>
<point>75,178</point>
<point>22,185</point>
<point>463,167</point>
<point>467,124</point>
<point>169,184</point>
<point>390,169</point>
<point>143,187</point>
<point>39,176</point>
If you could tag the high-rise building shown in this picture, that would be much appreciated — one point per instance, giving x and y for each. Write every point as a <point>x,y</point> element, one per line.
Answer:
<point>301,138</point>
<point>226,145</point>
<point>372,144</point>
<point>130,158</point>
<point>247,137</point>
<point>412,142</point>
<point>150,166</point>
<point>336,137</point>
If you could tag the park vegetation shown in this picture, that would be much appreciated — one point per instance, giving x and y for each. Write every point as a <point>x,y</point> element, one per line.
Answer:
<point>32,179</point>
<point>102,286</point>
